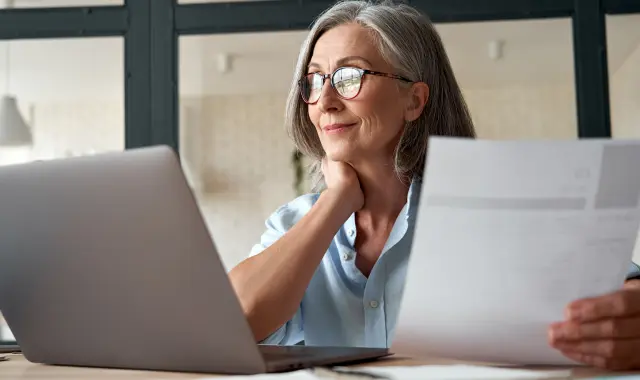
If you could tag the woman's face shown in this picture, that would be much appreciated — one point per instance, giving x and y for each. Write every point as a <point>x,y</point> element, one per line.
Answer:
<point>370,124</point>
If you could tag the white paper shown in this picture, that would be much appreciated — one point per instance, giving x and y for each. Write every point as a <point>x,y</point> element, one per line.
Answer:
<point>508,234</point>
<point>293,375</point>
<point>428,372</point>
<point>463,372</point>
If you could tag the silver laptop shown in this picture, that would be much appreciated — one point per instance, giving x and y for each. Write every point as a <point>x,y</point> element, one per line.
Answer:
<point>105,261</point>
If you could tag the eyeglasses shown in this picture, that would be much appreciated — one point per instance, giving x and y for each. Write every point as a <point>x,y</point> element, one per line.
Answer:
<point>346,81</point>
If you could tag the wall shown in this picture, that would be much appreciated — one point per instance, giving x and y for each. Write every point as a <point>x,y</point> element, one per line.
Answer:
<point>524,111</point>
<point>239,159</point>
<point>625,98</point>
<point>62,129</point>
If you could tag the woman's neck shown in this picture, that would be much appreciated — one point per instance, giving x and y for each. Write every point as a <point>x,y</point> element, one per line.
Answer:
<point>384,193</point>
<point>384,197</point>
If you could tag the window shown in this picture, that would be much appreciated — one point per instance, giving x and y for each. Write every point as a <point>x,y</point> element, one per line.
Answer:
<point>623,49</point>
<point>70,95</point>
<point>234,146</point>
<point>517,76</point>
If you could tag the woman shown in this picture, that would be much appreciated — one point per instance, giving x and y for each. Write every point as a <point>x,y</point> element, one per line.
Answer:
<point>372,83</point>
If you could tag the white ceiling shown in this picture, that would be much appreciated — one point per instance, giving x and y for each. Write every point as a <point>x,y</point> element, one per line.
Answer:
<point>534,51</point>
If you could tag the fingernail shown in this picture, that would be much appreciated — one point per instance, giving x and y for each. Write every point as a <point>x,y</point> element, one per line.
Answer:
<point>557,333</point>
<point>568,313</point>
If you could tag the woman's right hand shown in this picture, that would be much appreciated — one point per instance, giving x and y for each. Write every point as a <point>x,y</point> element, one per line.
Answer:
<point>272,284</point>
<point>342,180</point>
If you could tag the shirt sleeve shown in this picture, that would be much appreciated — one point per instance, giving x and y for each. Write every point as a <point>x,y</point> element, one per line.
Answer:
<point>634,272</point>
<point>292,332</point>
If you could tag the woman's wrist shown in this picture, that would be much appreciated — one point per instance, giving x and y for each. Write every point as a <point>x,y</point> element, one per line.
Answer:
<point>340,204</point>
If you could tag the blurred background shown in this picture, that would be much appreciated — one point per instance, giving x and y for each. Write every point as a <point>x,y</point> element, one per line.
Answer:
<point>117,76</point>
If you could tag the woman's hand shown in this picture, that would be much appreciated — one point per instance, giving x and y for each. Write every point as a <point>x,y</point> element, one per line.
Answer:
<point>342,179</point>
<point>602,331</point>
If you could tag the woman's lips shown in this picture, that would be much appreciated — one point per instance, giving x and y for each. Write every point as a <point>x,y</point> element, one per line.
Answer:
<point>337,127</point>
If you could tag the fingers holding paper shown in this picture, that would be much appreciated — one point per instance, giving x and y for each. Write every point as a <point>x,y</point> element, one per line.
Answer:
<point>602,331</point>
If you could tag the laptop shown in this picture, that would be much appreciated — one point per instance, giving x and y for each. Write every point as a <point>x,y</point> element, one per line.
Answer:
<point>106,261</point>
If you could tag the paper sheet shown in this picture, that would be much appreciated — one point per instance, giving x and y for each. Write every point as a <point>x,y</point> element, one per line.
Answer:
<point>464,372</point>
<point>293,375</point>
<point>430,372</point>
<point>508,234</point>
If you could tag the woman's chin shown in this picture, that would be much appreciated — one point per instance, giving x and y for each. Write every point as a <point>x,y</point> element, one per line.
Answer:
<point>341,152</point>
<point>340,156</point>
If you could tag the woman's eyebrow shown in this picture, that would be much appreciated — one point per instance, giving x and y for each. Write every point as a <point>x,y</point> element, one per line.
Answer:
<point>313,65</point>
<point>352,58</point>
<point>342,61</point>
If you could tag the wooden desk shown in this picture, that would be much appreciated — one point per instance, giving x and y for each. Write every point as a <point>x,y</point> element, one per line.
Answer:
<point>19,368</point>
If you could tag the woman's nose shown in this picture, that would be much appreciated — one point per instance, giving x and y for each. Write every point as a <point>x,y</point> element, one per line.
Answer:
<point>329,100</point>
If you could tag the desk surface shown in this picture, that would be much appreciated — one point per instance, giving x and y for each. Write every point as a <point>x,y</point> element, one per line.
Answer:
<point>19,368</point>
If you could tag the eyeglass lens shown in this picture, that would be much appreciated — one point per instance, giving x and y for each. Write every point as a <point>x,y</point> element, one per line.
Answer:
<point>345,80</point>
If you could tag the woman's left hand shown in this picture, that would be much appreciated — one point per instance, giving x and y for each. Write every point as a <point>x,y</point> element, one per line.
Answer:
<point>602,331</point>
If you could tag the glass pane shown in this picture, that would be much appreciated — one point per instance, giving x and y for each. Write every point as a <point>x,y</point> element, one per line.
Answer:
<point>56,3</point>
<point>234,147</point>
<point>69,95</point>
<point>239,159</point>
<point>517,76</point>
<point>623,49</point>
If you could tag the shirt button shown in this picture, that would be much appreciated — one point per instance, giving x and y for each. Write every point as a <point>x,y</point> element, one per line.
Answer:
<point>352,232</point>
<point>373,304</point>
<point>347,256</point>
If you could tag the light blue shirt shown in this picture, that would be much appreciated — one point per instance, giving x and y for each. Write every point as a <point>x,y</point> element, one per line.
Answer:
<point>341,307</point>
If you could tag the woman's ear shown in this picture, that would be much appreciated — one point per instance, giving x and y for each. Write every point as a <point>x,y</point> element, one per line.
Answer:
<point>416,101</point>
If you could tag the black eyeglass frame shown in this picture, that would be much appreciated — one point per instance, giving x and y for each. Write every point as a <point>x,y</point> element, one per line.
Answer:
<point>362,72</point>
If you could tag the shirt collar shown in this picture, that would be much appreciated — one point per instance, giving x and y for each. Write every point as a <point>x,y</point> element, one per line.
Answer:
<point>413,198</point>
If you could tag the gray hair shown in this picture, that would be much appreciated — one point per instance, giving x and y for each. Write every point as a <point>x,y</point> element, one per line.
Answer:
<point>409,42</point>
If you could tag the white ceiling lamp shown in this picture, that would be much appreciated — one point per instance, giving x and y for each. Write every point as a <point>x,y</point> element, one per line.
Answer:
<point>14,131</point>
